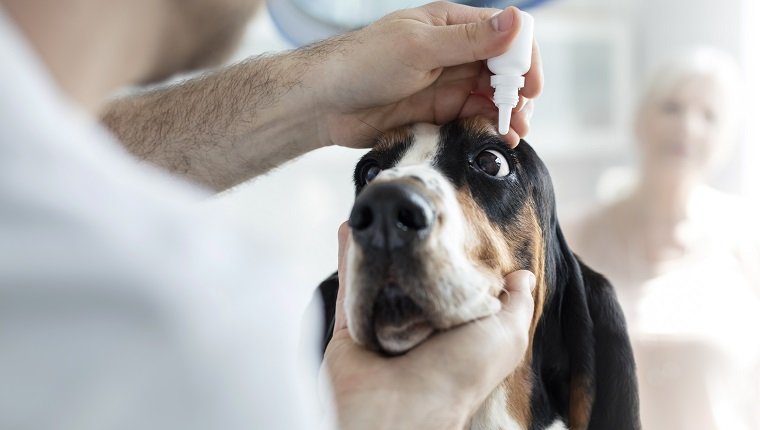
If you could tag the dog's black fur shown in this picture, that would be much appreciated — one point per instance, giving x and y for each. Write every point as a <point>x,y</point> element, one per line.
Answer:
<point>580,341</point>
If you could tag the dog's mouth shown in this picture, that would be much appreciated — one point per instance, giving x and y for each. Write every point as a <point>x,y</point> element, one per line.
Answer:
<point>398,321</point>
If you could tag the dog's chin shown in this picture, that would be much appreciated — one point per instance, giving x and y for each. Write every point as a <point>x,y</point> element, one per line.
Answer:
<point>395,339</point>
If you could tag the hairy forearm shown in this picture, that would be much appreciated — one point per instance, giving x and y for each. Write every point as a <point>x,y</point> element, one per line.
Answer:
<point>227,126</point>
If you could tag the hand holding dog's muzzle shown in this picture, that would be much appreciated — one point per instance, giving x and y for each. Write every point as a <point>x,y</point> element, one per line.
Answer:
<point>441,382</point>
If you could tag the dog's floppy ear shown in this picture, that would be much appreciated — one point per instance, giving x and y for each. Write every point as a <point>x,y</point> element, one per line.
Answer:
<point>602,392</point>
<point>570,315</point>
<point>616,403</point>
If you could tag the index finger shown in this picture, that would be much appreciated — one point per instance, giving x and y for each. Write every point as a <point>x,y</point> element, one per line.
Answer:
<point>534,79</point>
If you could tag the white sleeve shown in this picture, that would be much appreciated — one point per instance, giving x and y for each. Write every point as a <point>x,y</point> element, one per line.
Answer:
<point>83,359</point>
<point>118,310</point>
<point>122,306</point>
<point>148,337</point>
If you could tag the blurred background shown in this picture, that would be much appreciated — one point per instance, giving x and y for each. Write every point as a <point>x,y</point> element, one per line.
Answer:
<point>597,56</point>
<point>679,244</point>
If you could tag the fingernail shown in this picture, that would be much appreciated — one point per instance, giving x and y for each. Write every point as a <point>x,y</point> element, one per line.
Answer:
<point>503,21</point>
<point>532,281</point>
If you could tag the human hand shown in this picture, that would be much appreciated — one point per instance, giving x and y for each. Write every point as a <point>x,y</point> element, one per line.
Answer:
<point>421,65</point>
<point>439,383</point>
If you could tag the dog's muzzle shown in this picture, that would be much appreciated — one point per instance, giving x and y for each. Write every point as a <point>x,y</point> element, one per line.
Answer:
<point>390,221</point>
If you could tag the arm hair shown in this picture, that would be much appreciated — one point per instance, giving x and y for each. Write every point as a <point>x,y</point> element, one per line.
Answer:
<point>234,123</point>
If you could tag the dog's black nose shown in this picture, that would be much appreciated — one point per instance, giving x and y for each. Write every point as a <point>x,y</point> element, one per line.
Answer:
<point>390,215</point>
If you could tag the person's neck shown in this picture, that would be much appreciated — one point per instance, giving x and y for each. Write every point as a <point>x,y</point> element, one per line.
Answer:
<point>665,200</point>
<point>90,47</point>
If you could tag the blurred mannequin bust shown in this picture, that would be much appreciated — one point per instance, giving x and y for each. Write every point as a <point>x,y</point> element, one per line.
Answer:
<point>683,256</point>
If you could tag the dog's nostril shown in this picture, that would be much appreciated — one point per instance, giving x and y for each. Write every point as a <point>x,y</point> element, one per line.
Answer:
<point>413,218</point>
<point>361,218</point>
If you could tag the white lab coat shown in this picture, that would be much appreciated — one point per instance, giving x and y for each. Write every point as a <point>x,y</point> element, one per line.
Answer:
<point>123,303</point>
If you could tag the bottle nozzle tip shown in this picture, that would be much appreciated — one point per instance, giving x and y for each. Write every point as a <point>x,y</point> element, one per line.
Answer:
<point>505,113</point>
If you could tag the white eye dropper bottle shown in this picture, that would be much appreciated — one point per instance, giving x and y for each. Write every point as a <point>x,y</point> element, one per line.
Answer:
<point>508,69</point>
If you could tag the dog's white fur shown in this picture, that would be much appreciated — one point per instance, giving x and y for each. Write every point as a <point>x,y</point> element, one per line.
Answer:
<point>492,413</point>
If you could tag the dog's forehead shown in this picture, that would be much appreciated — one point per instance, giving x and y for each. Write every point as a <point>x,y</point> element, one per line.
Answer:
<point>423,143</point>
<point>407,146</point>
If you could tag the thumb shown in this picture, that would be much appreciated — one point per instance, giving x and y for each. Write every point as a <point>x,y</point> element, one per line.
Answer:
<point>517,299</point>
<point>340,315</point>
<point>474,41</point>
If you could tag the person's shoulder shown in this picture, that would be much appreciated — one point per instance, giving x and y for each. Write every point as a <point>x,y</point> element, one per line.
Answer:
<point>602,220</point>
<point>725,212</point>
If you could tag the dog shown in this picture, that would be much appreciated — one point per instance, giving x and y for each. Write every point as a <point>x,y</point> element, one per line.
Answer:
<point>442,214</point>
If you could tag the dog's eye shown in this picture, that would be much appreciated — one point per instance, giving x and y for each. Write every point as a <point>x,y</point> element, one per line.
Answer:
<point>370,172</point>
<point>492,163</point>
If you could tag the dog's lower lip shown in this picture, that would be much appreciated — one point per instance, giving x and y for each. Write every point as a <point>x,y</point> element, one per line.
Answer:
<point>416,325</point>
<point>396,339</point>
<point>408,326</point>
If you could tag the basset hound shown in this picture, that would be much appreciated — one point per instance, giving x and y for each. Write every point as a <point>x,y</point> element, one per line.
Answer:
<point>442,214</point>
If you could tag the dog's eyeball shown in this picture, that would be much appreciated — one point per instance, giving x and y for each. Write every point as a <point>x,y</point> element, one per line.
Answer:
<point>492,163</point>
<point>370,172</point>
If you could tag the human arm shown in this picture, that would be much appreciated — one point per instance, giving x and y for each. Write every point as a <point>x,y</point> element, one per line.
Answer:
<point>438,384</point>
<point>416,65</point>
